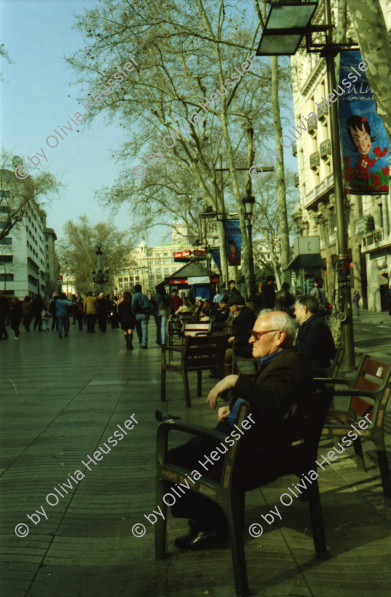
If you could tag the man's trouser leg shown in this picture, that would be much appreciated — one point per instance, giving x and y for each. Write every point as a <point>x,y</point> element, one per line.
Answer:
<point>144,330</point>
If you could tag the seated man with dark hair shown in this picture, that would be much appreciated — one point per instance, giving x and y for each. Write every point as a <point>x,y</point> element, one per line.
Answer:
<point>272,393</point>
<point>314,336</point>
<point>242,325</point>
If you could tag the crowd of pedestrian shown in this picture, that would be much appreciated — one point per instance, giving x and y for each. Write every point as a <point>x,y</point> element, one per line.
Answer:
<point>131,313</point>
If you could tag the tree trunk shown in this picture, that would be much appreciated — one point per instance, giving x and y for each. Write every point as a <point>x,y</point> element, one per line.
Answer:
<point>280,177</point>
<point>371,32</point>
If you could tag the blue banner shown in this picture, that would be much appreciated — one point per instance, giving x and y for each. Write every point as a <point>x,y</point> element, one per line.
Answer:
<point>233,242</point>
<point>216,258</point>
<point>365,145</point>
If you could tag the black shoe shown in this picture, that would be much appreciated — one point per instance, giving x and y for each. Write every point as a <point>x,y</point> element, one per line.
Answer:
<point>144,347</point>
<point>60,336</point>
<point>196,540</point>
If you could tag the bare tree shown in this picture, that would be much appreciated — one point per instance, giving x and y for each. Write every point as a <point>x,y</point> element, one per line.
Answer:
<point>16,194</point>
<point>77,250</point>
<point>182,55</point>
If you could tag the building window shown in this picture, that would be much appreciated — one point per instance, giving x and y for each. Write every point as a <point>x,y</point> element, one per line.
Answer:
<point>6,277</point>
<point>6,241</point>
<point>6,258</point>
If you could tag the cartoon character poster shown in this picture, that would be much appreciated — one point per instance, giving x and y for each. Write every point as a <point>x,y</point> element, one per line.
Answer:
<point>233,240</point>
<point>365,145</point>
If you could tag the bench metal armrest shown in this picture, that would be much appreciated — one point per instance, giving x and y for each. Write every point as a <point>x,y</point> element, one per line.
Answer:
<point>166,426</point>
<point>334,380</point>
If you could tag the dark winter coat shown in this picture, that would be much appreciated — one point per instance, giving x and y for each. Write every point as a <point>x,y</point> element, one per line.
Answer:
<point>126,316</point>
<point>314,339</point>
<point>273,391</point>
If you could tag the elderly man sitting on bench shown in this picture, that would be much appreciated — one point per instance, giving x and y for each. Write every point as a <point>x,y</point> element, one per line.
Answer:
<point>272,393</point>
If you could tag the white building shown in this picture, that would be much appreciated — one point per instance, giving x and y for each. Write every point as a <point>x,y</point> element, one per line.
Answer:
<point>369,251</point>
<point>148,266</point>
<point>26,263</point>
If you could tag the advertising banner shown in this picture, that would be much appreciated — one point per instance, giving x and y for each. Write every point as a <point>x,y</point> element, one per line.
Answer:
<point>365,145</point>
<point>233,240</point>
<point>216,258</point>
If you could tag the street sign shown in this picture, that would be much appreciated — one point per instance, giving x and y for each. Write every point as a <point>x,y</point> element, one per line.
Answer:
<point>60,277</point>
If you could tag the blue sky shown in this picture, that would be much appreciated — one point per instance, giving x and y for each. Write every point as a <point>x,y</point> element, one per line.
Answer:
<point>38,96</point>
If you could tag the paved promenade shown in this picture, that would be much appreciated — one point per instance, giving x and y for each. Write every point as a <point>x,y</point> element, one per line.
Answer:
<point>62,399</point>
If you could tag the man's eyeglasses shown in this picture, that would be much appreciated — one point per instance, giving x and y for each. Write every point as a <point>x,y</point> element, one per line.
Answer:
<point>257,335</point>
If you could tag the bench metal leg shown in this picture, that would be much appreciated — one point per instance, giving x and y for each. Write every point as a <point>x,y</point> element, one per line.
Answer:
<point>384,471</point>
<point>235,518</point>
<point>317,521</point>
<point>199,382</point>
<point>359,454</point>
<point>187,389</point>
<point>161,524</point>
<point>163,385</point>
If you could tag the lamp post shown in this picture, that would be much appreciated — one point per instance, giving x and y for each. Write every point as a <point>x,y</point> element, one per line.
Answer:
<point>286,25</point>
<point>99,277</point>
<point>248,204</point>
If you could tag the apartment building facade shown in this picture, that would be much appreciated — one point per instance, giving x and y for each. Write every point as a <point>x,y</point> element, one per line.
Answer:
<point>368,217</point>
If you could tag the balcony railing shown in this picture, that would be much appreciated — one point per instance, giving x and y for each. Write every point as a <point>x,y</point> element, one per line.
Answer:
<point>312,128</point>
<point>332,238</point>
<point>325,149</point>
<point>314,160</point>
<point>373,237</point>
<point>296,179</point>
<point>294,149</point>
<point>322,244</point>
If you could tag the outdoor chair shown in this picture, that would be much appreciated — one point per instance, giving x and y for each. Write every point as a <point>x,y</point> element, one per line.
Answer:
<point>290,448</point>
<point>198,353</point>
<point>369,392</point>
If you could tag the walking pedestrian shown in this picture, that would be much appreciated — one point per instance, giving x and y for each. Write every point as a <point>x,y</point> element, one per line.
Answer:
<point>163,304</point>
<point>79,312</point>
<point>102,311</point>
<point>141,309</point>
<point>15,316</point>
<point>52,311</point>
<point>62,305</point>
<point>113,311</point>
<point>27,312</point>
<point>126,318</point>
<point>45,320</point>
<point>4,311</point>
<point>36,311</point>
<point>90,311</point>
<point>268,295</point>
<point>356,302</point>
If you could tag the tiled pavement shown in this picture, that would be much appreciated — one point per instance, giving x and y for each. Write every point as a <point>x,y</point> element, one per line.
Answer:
<point>60,401</point>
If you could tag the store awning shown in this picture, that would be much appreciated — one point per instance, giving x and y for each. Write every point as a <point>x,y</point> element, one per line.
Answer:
<point>305,261</point>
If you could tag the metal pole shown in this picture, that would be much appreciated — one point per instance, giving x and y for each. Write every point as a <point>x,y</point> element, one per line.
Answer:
<point>224,260</point>
<point>99,272</point>
<point>251,275</point>
<point>339,193</point>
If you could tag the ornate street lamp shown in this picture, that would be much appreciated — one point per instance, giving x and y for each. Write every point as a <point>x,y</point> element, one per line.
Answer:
<point>248,204</point>
<point>286,25</point>
<point>99,277</point>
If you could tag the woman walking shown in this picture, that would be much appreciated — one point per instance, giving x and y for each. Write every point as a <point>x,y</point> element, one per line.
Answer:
<point>126,318</point>
<point>27,310</point>
<point>356,300</point>
<point>15,316</point>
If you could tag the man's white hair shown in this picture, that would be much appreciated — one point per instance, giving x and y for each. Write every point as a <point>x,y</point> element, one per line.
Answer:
<point>281,321</point>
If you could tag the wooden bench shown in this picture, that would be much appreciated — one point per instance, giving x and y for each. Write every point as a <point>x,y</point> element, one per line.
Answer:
<point>290,448</point>
<point>369,392</point>
<point>198,353</point>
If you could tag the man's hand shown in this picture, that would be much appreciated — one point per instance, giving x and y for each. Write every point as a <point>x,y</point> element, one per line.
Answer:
<point>222,386</point>
<point>223,413</point>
